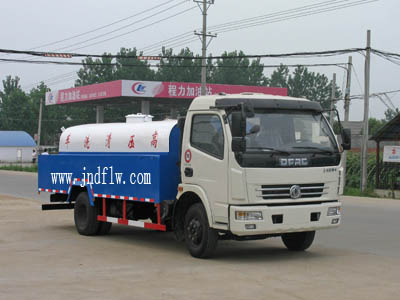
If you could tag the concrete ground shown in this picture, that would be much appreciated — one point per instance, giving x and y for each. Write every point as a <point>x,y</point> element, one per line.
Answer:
<point>43,257</point>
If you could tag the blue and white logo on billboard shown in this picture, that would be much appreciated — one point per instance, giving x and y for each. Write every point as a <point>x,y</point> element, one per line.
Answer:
<point>133,88</point>
<point>51,98</point>
<point>139,88</point>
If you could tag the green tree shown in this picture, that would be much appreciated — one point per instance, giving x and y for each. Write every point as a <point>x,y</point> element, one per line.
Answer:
<point>304,84</point>
<point>124,67</point>
<point>374,125</point>
<point>235,68</point>
<point>95,71</point>
<point>391,114</point>
<point>54,117</point>
<point>15,107</point>
<point>178,68</point>
<point>125,70</point>
<point>279,78</point>
<point>106,69</point>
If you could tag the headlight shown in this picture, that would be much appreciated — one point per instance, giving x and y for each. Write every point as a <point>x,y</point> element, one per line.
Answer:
<point>334,211</point>
<point>249,215</point>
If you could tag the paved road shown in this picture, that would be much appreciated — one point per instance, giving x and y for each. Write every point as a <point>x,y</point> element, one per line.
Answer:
<point>369,225</point>
<point>20,184</point>
<point>42,257</point>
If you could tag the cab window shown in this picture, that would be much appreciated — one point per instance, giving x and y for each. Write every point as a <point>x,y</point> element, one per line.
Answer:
<point>207,134</point>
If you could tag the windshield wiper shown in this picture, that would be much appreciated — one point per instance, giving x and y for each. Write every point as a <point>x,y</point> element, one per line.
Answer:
<point>271,150</point>
<point>315,148</point>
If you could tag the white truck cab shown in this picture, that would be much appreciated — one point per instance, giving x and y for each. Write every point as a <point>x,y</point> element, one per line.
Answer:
<point>257,166</point>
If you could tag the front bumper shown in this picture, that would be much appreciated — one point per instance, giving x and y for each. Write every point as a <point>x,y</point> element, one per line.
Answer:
<point>282,219</point>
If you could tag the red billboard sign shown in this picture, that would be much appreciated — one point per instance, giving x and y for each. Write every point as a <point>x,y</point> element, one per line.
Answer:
<point>150,89</point>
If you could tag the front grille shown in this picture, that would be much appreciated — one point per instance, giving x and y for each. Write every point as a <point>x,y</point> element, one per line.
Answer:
<point>282,191</point>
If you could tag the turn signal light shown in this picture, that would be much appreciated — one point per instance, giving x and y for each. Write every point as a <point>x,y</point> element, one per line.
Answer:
<point>249,215</point>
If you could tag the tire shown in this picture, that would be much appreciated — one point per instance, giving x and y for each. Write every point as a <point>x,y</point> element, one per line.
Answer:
<point>201,240</point>
<point>298,241</point>
<point>104,228</point>
<point>85,216</point>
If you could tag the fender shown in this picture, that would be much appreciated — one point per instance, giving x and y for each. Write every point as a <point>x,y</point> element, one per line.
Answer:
<point>77,184</point>
<point>201,194</point>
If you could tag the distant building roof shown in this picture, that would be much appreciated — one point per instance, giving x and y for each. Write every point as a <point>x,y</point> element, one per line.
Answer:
<point>389,132</point>
<point>16,139</point>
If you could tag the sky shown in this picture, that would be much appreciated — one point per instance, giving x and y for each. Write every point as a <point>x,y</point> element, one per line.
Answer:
<point>28,24</point>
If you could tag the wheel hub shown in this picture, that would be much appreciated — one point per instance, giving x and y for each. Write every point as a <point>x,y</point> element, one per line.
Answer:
<point>195,231</point>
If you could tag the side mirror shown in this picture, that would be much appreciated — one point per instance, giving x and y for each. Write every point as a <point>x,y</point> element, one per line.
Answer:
<point>248,110</point>
<point>238,144</point>
<point>255,129</point>
<point>346,139</point>
<point>238,124</point>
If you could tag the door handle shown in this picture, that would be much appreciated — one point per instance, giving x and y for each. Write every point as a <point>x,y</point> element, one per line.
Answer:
<point>188,172</point>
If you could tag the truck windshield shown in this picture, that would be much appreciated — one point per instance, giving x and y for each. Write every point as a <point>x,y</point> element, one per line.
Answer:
<point>289,131</point>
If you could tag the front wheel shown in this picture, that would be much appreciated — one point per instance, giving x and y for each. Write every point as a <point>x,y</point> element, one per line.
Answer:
<point>200,238</point>
<point>298,241</point>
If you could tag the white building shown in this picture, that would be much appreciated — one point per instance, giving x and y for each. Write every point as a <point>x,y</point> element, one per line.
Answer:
<point>16,146</point>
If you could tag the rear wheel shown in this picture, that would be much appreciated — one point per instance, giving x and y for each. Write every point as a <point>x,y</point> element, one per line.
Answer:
<point>85,215</point>
<point>200,238</point>
<point>298,241</point>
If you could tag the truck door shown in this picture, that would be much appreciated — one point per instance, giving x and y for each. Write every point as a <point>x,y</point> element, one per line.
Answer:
<point>205,160</point>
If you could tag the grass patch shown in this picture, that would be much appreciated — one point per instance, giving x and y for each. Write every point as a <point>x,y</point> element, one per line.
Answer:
<point>20,168</point>
<point>351,191</point>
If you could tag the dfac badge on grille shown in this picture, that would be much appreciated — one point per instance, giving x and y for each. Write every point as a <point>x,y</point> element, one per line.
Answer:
<point>295,191</point>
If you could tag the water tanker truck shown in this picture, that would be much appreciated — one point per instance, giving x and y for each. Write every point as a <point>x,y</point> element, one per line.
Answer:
<point>242,167</point>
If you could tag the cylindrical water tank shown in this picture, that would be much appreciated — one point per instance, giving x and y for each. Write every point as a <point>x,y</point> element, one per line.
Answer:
<point>118,137</point>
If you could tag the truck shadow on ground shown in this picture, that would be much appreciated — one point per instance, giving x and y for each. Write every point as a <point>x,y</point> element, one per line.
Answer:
<point>262,250</point>
<point>269,250</point>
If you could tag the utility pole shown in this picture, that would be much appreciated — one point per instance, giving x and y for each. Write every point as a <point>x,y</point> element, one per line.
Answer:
<point>347,91</point>
<point>333,97</point>
<point>39,126</point>
<point>347,111</point>
<point>203,37</point>
<point>364,156</point>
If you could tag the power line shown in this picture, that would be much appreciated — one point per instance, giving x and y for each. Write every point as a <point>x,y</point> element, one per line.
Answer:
<point>275,14</point>
<point>389,56</point>
<point>358,80</point>
<point>298,12</point>
<point>293,16</point>
<point>102,27</point>
<point>54,78</point>
<point>185,42</point>
<point>172,39</point>
<point>137,29</point>
<point>361,96</point>
<point>126,26</point>
<point>157,65</point>
<point>178,39</point>
<point>304,54</point>
<point>385,53</point>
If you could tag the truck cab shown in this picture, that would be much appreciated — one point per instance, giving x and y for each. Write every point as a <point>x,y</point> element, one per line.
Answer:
<point>255,166</point>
